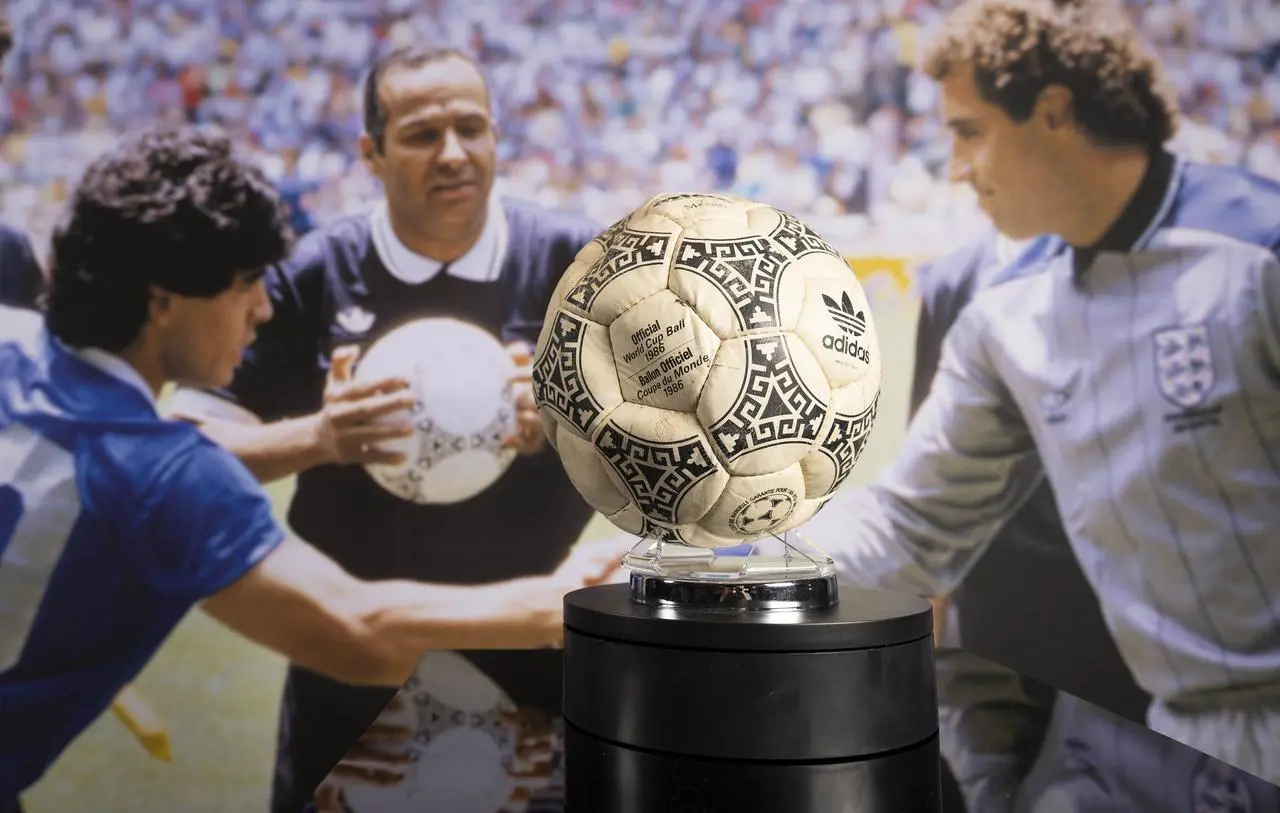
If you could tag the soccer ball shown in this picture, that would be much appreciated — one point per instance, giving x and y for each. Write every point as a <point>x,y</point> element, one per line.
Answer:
<point>469,745</point>
<point>708,371</point>
<point>461,377</point>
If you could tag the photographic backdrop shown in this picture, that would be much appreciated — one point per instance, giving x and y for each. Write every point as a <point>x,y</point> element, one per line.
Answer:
<point>811,106</point>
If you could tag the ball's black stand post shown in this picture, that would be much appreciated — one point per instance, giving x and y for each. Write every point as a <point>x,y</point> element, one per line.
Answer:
<point>695,708</point>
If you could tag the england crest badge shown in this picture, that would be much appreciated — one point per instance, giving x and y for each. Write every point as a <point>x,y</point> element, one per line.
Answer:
<point>1184,365</point>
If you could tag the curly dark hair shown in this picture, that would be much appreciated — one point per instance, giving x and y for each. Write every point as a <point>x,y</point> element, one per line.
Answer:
<point>1017,48</point>
<point>169,207</point>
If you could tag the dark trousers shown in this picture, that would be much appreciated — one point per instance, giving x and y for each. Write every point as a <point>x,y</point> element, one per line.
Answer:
<point>320,720</point>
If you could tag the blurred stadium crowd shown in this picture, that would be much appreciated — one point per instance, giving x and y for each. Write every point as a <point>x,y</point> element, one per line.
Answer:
<point>808,104</point>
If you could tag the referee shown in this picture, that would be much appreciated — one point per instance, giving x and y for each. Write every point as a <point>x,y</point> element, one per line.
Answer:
<point>440,245</point>
<point>1137,373</point>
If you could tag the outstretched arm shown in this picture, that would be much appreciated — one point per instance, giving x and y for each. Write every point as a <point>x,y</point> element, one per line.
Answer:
<point>967,465</point>
<point>293,405</point>
<point>301,604</point>
<point>198,528</point>
<point>353,420</point>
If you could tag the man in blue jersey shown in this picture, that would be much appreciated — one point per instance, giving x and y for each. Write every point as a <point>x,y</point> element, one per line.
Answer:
<point>442,244</point>
<point>114,523</point>
<point>1138,373</point>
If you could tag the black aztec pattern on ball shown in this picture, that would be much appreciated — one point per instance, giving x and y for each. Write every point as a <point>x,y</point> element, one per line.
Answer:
<point>846,440</point>
<point>657,475</point>
<point>625,250</point>
<point>557,374</point>
<point>605,237</point>
<point>798,239</point>
<point>436,718</point>
<point>745,271</point>
<point>660,533</point>
<point>774,406</point>
<point>436,444</point>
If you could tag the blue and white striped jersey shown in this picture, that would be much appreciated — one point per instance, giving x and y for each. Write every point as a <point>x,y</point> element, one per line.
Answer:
<point>1143,381</point>
<point>113,524</point>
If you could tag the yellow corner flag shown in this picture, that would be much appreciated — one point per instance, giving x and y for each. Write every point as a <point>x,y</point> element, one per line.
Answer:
<point>144,722</point>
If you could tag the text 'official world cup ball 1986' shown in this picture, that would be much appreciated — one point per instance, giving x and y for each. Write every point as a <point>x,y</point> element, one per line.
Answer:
<point>708,371</point>
<point>460,376</point>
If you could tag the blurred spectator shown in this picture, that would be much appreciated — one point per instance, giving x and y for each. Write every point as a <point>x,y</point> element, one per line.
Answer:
<point>22,280</point>
<point>812,106</point>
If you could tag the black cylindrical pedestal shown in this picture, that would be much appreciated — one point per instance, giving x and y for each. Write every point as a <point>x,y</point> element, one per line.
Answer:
<point>695,710</point>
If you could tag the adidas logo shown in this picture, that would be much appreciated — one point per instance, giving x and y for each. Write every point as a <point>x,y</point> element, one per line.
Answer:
<point>852,324</point>
<point>355,320</point>
<point>849,320</point>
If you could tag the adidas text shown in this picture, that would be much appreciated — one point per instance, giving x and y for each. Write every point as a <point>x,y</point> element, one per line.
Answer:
<point>841,344</point>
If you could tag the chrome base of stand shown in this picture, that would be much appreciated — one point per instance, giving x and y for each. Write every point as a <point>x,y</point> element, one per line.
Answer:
<point>807,594</point>
<point>777,573</point>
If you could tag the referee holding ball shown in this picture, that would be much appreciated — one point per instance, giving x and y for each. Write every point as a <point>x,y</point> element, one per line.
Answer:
<point>440,245</point>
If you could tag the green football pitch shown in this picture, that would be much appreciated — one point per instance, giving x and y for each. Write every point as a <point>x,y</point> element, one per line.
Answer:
<point>218,693</point>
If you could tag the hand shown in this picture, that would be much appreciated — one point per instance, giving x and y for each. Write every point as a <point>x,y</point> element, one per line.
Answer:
<point>379,758</point>
<point>531,615</point>
<point>348,426</point>
<point>592,563</point>
<point>535,744</point>
<point>528,612</point>
<point>534,606</point>
<point>529,437</point>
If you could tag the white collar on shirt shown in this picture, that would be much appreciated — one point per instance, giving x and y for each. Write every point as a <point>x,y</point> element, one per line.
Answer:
<point>483,263</point>
<point>29,329</point>
<point>1008,249</point>
<point>113,365</point>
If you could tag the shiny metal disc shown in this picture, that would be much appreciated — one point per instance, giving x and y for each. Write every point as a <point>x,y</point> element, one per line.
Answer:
<point>812,593</point>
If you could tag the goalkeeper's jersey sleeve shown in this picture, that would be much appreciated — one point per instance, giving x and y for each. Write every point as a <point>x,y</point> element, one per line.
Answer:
<point>968,462</point>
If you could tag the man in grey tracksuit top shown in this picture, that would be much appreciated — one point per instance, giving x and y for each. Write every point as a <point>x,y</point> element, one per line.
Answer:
<point>1025,609</point>
<point>1139,372</point>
